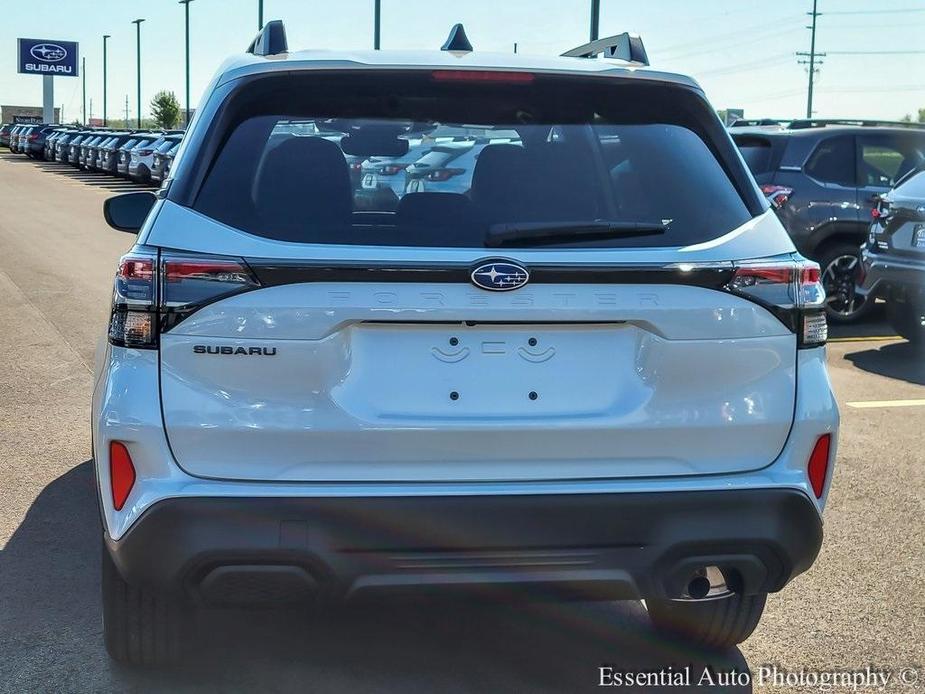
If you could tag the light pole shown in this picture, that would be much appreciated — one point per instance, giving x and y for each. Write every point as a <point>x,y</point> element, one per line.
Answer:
<point>377,18</point>
<point>185,4</point>
<point>137,23</point>
<point>259,15</point>
<point>83,100</point>
<point>105,36</point>
<point>595,19</point>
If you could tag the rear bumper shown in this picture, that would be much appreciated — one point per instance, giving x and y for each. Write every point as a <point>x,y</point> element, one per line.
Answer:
<point>221,550</point>
<point>884,274</point>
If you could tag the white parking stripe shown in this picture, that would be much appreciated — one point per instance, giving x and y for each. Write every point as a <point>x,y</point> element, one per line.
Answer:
<point>865,404</point>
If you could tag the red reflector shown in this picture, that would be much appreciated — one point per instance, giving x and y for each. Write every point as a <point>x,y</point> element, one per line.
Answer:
<point>482,76</point>
<point>121,474</point>
<point>780,274</point>
<point>818,465</point>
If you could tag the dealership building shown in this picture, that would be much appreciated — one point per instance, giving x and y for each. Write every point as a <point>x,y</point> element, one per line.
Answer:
<point>24,114</point>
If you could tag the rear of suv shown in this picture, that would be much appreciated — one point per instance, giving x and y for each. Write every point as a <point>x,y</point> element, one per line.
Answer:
<point>824,177</point>
<point>564,378</point>
<point>893,259</point>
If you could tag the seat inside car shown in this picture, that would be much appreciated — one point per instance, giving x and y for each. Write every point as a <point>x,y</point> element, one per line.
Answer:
<point>303,181</point>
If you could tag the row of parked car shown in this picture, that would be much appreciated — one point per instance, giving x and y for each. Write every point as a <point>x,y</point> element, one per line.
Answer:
<point>144,156</point>
<point>851,194</point>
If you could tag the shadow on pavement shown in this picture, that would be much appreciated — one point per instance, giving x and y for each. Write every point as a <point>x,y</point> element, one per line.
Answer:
<point>899,360</point>
<point>50,633</point>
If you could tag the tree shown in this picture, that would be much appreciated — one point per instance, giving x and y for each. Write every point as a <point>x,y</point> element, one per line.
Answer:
<point>165,109</point>
<point>921,117</point>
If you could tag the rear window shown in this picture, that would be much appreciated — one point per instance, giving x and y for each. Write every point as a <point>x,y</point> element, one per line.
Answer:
<point>756,151</point>
<point>420,162</point>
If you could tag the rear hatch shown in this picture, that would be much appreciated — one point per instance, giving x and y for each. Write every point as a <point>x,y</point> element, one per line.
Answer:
<point>563,314</point>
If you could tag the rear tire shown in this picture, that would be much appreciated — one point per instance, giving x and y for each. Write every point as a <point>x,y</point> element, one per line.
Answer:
<point>907,320</point>
<point>840,264</point>
<point>714,624</point>
<point>140,627</point>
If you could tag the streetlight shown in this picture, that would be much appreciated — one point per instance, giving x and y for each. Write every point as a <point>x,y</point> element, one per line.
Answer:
<point>595,19</point>
<point>105,36</point>
<point>186,3</point>
<point>137,23</point>
<point>259,15</point>
<point>377,17</point>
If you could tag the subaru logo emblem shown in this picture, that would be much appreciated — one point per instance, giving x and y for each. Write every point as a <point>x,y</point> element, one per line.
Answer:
<point>48,52</point>
<point>500,276</point>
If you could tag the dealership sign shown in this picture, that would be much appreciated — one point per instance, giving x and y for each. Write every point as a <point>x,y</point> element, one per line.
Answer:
<point>46,57</point>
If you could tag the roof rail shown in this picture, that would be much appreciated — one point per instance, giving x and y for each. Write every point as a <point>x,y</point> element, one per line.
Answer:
<point>457,40</point>
<point>271,40</point>
<point>806,123</point>
<point>626,46</point>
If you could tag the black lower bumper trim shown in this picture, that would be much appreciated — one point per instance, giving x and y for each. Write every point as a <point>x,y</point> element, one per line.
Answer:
<point>580,546</point>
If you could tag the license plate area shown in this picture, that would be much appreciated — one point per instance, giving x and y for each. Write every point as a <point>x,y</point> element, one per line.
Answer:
<point>481,371</point>
<point>918,236</point>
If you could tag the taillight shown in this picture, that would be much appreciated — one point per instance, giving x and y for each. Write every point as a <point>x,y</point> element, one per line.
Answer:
<point>444,174</point>
<point>391,169</point>
<point>145,152</point>
<point>818,466</point>
<point>792,290</point>
<point>121,474</point>
<point>777,195</point>
<point>152,294</point>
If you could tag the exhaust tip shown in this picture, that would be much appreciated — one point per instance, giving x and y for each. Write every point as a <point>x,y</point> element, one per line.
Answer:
<point>707,583</point>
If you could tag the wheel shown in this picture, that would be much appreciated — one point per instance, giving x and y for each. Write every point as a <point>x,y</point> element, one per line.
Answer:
<point>840,265</point>
<point>908,321</point>
<point>715,624</point>
<point>139,627</point>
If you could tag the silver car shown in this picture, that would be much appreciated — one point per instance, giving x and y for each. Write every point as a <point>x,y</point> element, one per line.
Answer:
<point>594,370</point>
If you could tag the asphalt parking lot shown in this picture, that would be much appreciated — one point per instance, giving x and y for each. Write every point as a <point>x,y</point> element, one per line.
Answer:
<point>861,604</point>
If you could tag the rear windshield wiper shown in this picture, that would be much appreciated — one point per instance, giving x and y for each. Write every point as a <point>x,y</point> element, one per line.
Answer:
<point>557,232</point>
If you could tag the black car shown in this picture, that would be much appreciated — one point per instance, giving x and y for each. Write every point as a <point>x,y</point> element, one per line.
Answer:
<point>5,134</point>
<point>36,141</point>
<point>824,177</point>
<point>893,259</point>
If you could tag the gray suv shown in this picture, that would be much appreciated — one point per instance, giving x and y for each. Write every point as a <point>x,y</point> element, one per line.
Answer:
<point>824,178</point>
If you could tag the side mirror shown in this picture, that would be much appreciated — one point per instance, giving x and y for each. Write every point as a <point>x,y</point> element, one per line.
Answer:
<point>128,212</point>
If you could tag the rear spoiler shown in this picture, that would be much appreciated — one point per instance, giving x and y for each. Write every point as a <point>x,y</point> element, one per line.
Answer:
<point>626,46</point>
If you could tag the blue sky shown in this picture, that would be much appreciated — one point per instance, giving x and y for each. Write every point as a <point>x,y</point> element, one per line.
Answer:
<point>741,51</point>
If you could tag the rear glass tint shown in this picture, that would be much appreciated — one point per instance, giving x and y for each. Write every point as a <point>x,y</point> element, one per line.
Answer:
<point>416,163</point>
<point>756,151</point>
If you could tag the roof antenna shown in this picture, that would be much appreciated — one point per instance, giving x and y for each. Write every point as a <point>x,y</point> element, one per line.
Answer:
<point>457,40</point>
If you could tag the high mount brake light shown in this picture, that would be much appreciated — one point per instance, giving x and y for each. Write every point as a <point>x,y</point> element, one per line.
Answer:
<point>153,293</point>
<point>792,290</point>
<point>497,76</point>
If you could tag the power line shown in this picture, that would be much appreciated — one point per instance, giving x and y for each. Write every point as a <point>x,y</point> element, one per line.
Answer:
<point>876,52</point>
<point>892,11</point>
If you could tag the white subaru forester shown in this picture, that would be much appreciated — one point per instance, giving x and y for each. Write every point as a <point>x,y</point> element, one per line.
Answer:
<point>579,361</point>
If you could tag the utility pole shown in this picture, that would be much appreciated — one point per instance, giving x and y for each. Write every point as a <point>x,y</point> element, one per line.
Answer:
<point>83,100</point>
<point>259,15</point>
<point>595,19</point>
<point>377,21</point>
<point>515,46</point>
<point>185,4</point>
<point>137,23</point>
<point>105,36</point>
<point>811,58</point>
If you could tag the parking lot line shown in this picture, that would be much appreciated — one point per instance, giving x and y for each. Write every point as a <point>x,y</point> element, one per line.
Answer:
<point>870,338</point>
<point>866,404</point>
